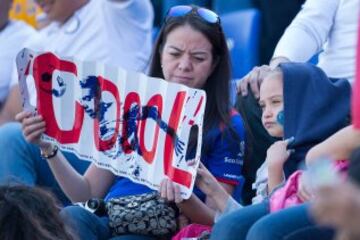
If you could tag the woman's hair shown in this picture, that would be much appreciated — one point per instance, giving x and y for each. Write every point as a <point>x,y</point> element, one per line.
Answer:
<point>30,213</point>
<point>217,85</point>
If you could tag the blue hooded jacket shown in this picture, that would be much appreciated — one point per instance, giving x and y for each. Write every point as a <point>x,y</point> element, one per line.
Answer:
<point>315,107</point>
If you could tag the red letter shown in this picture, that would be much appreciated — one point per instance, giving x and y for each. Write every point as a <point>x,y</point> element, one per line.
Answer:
<point>44,66</point>
<point>148,156</point>
<point>177,175</point>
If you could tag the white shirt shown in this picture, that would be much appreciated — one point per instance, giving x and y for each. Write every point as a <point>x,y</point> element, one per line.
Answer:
<point>12,39</point>
<point>106,31</point>
<point>328,25</point>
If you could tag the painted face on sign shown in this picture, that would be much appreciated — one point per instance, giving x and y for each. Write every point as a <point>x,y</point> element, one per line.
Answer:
<point>272,104</point>
<point>187,57</point>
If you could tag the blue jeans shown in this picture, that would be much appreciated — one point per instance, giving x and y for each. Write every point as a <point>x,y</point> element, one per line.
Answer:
<point>255,223</point>
<point>20,162</point>
<point>293,223</point>
<point>86,225</point>
<point>235,225</point>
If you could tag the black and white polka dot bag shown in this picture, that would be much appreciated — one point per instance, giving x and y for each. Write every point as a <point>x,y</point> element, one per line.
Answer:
<point>145,214</point>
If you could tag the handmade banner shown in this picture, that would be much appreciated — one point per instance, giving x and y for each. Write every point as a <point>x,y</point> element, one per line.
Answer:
<point>136,126</point>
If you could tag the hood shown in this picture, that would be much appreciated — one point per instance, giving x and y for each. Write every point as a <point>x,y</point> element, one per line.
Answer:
<point>315,107</point>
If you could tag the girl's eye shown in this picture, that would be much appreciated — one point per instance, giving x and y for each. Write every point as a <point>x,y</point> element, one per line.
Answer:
<point>276,101</point>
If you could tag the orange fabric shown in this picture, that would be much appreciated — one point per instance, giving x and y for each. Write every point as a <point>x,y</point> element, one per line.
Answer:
<point>25,10</point>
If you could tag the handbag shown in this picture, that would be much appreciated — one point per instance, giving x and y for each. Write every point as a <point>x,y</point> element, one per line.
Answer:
<point>145,214</point>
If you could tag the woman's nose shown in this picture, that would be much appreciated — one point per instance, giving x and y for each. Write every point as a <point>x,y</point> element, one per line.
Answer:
<point>185,64</point>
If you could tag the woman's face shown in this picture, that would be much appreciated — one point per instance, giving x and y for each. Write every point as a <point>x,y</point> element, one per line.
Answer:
<point>272,104</point>
<point>187,57</point>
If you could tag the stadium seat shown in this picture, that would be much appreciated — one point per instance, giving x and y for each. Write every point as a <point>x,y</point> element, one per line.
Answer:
<point>155,32</point>
<point>242,31</point>
<point>157,5</point>
<point>226,6</point>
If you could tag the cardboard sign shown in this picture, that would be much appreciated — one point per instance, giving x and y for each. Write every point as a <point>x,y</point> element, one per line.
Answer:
<point>133,125</point>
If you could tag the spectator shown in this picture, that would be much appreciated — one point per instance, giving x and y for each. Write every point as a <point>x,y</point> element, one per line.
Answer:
<point>338,205</point>
<point>116,32</point>
<point>191,50</point>
<point>107,31</point>
<point>306,124</point>
<point>321,25</point>
<point>30,214</point>
<point>13,34</point>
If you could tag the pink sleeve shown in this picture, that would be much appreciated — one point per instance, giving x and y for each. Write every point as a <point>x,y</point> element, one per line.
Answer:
<point>356,88</point>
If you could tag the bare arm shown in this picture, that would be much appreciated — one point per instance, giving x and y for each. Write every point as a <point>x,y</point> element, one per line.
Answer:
<point>95,181</point>
<point>276,156</point>
<point>79,188</point>
<point>12,106</point>
<point>216,193</point>
<point>338,146</point>
<point>192,207</point>
<point>277,60</point>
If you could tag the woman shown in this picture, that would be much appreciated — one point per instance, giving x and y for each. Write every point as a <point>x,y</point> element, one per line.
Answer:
<point>191,50</point>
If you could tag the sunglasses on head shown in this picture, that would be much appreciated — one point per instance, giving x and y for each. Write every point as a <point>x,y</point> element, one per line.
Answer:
<point>182,10</point>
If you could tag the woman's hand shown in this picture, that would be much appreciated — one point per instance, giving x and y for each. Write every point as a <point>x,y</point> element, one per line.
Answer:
<point>253,79</point>
<point>170,191</point>
<point>33,126</point>
<point>206,182</point>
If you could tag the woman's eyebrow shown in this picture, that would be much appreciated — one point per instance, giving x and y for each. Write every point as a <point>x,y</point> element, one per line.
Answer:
<point>175,48</point>
<point>199,52</point>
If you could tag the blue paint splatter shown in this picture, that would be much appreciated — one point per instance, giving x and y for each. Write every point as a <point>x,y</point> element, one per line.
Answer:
<point>280,118</point>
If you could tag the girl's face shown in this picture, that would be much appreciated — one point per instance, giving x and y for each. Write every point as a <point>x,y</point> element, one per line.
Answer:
<point>272,104</point>
<point>187,57</point>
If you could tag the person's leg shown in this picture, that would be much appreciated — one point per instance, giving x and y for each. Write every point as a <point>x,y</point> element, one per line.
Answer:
<point>293,223</point>
<point>84,224</point>
<point>236,225</point>
<point>258,141</point>
<point>20,162</point>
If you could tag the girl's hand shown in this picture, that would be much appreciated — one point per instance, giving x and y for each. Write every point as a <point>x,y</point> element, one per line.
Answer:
<point>33,126</point>
<point>277,154</point>
<point>170,191</point>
